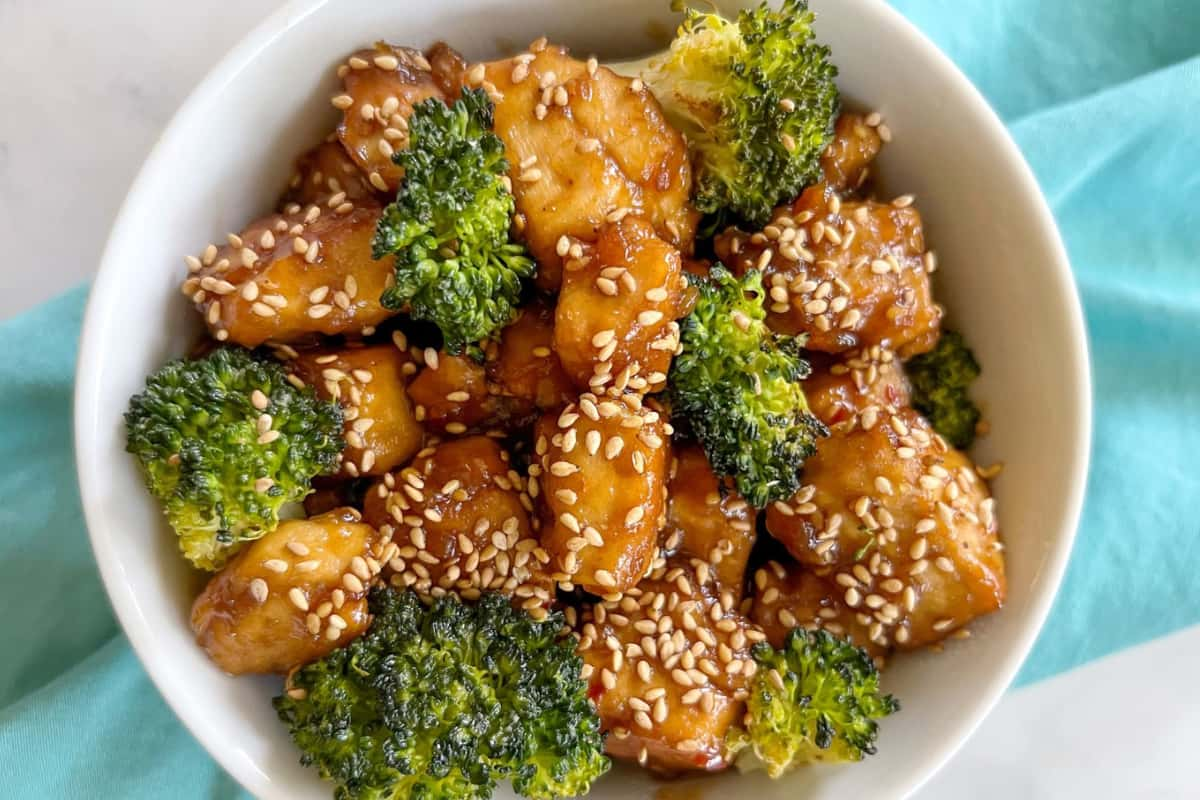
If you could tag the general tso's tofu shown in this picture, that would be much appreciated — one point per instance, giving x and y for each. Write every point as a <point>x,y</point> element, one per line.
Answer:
<point>326,172</point>
<point>381,427</point>
<point>290,276</point>
<point>585,146</point>
<point>905,525</point>
<point>708,520</point>
<point>601,481</point>
<point>460,516</point>
<point>451,393</point>
<point>786,597</point>
<point>668,664</point>
<point>849,274</point>
<point>524,365</point>
<point>380,87</point>
<point>846,387</point>
<point>846,162</point>
<point>291,597</point>
<point>615,323</point>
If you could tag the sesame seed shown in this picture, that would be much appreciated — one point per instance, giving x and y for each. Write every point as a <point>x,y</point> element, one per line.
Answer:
<point>605,578</point>
<point>259,590</point>
<point>298,598</point>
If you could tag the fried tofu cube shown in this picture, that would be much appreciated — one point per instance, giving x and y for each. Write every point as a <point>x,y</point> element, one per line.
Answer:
<point>585,146</point>
<point>849,274</point>
<point>846,162</point>
<point>381,85</point>
<point>615,323</point>
<point>325,172</point>
<point>291,276</point>
<point>370,383</point>
<point>451,393</point>
<point>708,520</point>
<point>600,480</point>
<point>525,367</point>
<point>668,665</point>
<point>460,518</point>
<point>290,597</point>
<point>902,522</point>
<point>791,596</point>
<point>839,390</point>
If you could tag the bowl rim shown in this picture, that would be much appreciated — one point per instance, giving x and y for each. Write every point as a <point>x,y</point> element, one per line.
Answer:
<point>89,377</point>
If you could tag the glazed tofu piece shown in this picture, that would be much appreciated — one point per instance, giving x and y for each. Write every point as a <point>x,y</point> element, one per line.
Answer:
<point>380,86</point>
<point>846,162</point>
<point>451,393</point>
<point>902,522</point>
<point>370,383</point>
<point>844,388</point>
<point>707,520</point>
<point>460,518</point>
<point>600,479</point>
<point>290,597</point>
<point>668,665</point>
<point>790,596</point>
<point>615,323</point>
<point>585,146</point>
<point>290,276</point>
<point>326,172</point>
<point>524,366</point>
<point>849,274</point>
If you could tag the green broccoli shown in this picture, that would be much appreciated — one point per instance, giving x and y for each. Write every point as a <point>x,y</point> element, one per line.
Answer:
<point>940,380</point>
<point>445,700</point>
<point>448,227</point>
<point>224,442</point>
<point>757,100</point>
<point>816,699</point>
<point>736,383</point>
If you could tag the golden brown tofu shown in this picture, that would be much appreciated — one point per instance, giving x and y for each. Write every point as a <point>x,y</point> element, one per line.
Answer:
<point>846,162</point>
<point>448,68</point>
<point>326,172</point>
<point>706,523</point>
<point>380,86</point>
<point>790,596</point>
<point>601,482</point>
<point>290,276</point>
<point>615,323</point>
<point>903,521</point>
<point>849,274</point>
<point>584,147</point>
<point>459,515</point>
<point>846,387</point>
<point>668,664</point>
<point>451,393</point>
<point>381,428</point>
<point>525,366</point>
<point>291,597</point>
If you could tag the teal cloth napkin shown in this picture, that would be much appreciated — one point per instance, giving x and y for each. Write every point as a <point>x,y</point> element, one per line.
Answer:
<point>1104,99</point>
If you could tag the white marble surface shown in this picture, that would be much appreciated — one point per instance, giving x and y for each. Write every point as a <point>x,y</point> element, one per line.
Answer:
<point>84,90</point>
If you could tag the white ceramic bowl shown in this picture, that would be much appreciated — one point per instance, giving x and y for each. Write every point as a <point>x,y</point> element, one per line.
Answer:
<point>1004,276</point>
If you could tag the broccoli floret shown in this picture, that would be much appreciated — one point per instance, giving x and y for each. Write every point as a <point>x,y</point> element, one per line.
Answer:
<point>757,100</point>
<point>220,477</point>
<point>940,380</point>
<point>736,383</point>
<point>816,699</point>
<point>448,227</point>
<point>444,701</point>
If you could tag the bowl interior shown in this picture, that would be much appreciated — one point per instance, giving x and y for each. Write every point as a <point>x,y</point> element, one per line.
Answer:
<point>1003,275</point>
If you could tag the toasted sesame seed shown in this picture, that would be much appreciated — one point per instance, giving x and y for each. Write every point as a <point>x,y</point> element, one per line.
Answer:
<point>298,598</point>
<point>605,578</point>
<point>259,590</point>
